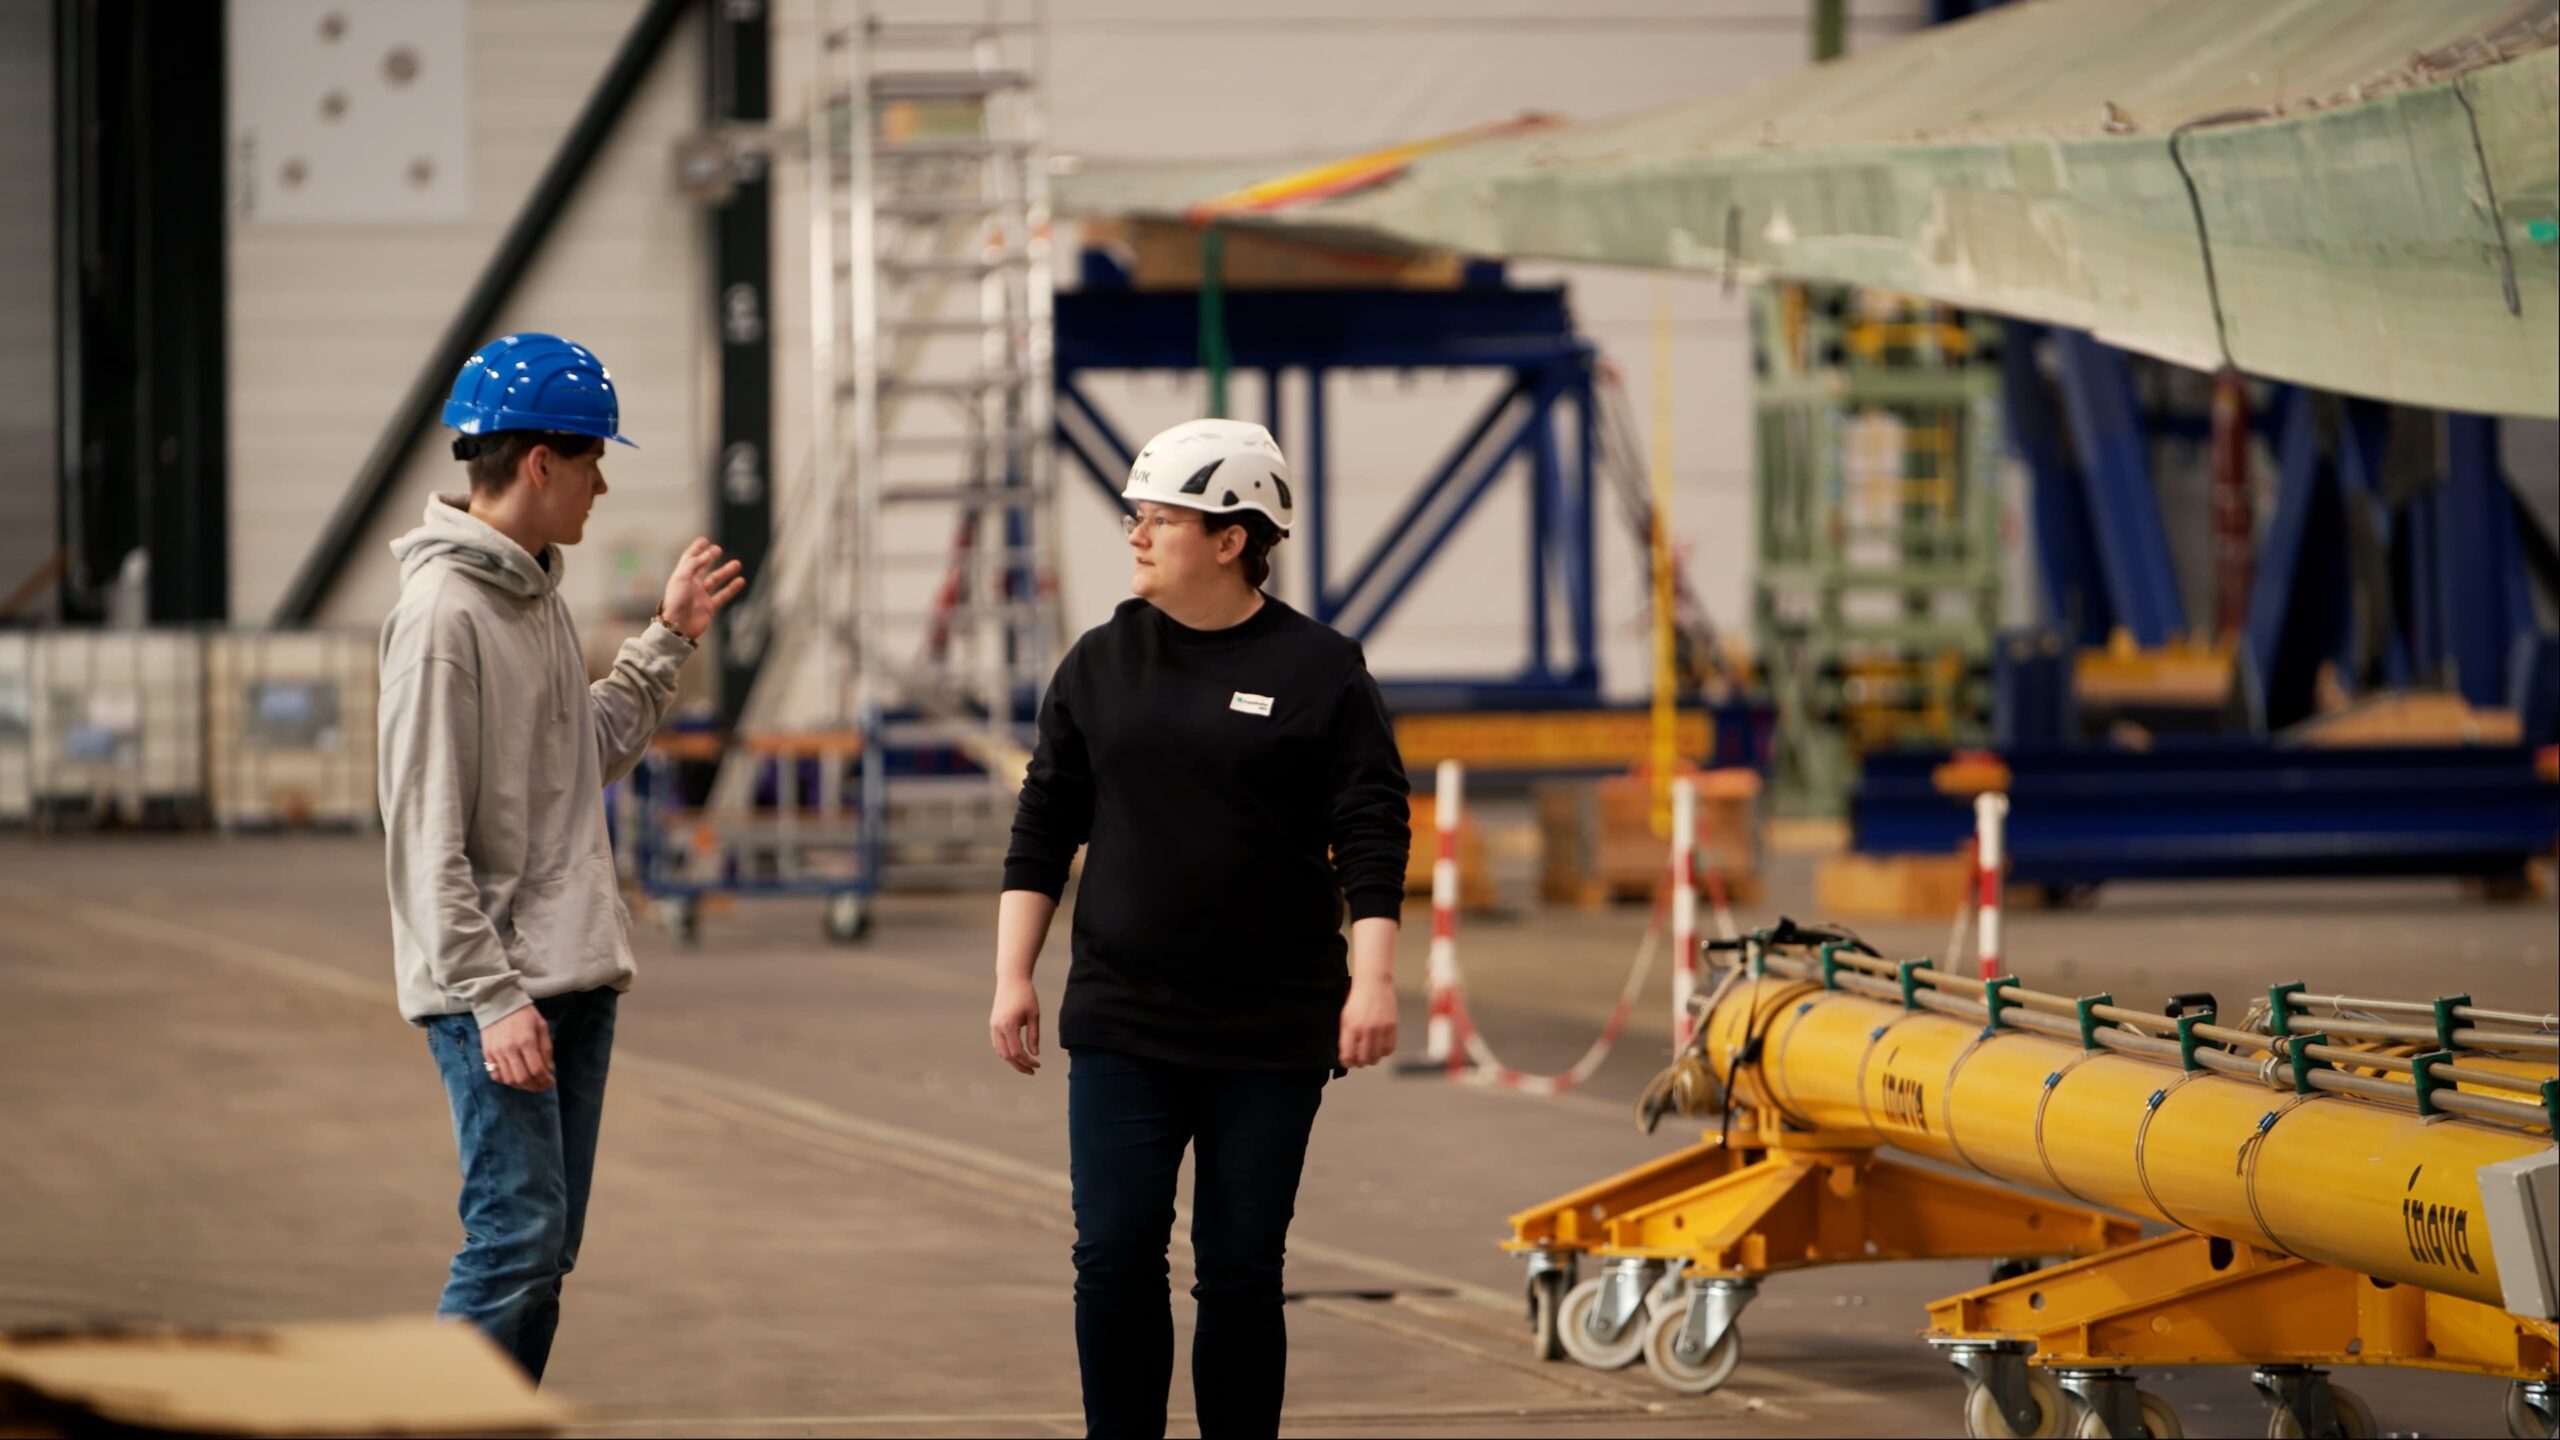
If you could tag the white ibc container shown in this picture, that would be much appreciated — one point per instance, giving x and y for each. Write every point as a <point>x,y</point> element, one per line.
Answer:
<point>119,724</point>
<point>289,728</point>
<point>17,728</point>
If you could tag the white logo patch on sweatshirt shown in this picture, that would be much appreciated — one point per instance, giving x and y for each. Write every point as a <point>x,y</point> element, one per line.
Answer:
<point>1250,704</point>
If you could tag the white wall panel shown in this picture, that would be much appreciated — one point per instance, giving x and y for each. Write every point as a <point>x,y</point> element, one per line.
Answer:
<point>330,320</point>
<point>346,310</point>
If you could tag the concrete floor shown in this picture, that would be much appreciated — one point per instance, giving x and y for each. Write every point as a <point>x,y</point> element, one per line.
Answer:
<point>824,1208</point>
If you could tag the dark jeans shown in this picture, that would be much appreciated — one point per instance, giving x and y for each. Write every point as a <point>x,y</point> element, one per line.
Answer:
<point>528,1160</point>
<point>1128,1121</point>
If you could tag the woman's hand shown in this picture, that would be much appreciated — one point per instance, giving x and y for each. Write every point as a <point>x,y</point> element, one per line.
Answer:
<point>1368,1024</point>
<point>1013,1027</point>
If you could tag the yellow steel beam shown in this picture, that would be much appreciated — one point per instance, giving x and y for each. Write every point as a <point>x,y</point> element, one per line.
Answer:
<point>2189,1299</point>
<point>1813,1203</point>
<point>1573,1221</point>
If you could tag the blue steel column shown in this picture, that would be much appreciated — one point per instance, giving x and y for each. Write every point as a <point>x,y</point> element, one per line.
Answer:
<point>2420,522</point>
<point>2115,467</point>
<point>1312,496</point>
<point>2295,603</point>
<point>2362,440</point>
<point>1271,418</point>
<point>1581,561</point>
<point>2478,549</point>
<point>1543,504</point>
<point>2067,562</point>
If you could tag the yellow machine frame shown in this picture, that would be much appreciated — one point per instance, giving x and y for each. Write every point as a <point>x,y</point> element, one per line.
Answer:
<point>2323,1195</point>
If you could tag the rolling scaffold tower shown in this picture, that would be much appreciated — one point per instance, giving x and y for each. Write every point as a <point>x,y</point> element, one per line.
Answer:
<point>914,608</point>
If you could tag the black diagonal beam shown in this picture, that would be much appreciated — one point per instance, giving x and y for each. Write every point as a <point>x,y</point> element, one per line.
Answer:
<point>524,239</point>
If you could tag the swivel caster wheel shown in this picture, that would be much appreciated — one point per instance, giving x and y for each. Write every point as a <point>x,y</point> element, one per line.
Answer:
<point>848,918</point>
<point>2354,1417</point>
<point>1546,1299</point>
<point>1985,1420</point>
<point>2533,1410</point>
<point>1675,1366</point>
<point>2159,1422</point>
<point>1615,1352</point>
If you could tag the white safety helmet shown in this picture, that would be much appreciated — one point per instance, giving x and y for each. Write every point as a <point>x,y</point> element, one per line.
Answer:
<point>1216,466</point>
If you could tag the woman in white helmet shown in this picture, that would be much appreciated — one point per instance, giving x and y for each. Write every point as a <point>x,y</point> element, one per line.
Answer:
<point>1230,763</point>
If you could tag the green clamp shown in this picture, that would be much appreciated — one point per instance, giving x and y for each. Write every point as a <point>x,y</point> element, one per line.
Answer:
<point>2187,1041</point>
<point>2551,1105</point>
<point>1829,956</point>
<point>2422,1072</point>
<point>1994,1002</point>
<point>2280,1007</point>
<point>2303,1064</point>
<point>1910,985</point>
<point>2445,1006</point>
<point>2089,1019</point>
<point>1756,957</point>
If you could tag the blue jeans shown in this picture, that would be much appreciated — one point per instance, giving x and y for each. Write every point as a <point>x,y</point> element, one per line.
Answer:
<point>528,1160</point>
<point>1128,1122</point>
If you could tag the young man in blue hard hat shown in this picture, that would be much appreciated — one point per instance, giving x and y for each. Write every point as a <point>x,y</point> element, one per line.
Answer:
<point>509,937</point>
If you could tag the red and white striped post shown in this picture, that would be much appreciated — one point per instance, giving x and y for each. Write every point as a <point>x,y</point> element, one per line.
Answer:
<point>1440,1027</point>
<point>1684,906</point>
<point>1990,815</point>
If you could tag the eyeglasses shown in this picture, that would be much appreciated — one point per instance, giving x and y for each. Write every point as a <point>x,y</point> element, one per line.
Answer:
<point>1158,524</point>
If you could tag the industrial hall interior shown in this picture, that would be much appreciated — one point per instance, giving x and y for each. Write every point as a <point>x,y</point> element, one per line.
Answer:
<point>1379,718</point>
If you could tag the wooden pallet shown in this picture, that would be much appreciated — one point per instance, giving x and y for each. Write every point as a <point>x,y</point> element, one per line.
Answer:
<point>1852,886</point>
<point>1597,844</point>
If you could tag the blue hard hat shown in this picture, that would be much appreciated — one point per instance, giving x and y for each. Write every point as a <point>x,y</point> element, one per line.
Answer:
<point>534,382</point>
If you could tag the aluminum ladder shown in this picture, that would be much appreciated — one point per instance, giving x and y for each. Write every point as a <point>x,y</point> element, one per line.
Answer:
<point>931,292</point>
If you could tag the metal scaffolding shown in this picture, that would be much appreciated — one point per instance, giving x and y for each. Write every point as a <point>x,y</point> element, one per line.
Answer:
<point>913,606</point>
<point>1878,585</point>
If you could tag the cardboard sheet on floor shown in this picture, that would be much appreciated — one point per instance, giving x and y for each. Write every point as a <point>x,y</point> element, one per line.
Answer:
<point>407,1376</point>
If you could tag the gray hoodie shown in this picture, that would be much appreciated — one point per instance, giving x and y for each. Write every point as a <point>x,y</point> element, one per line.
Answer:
<point>495,753</point>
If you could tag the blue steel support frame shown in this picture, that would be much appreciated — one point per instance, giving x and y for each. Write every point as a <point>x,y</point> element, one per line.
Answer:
<point>2115,466</point>
<point>2486,604</point>
<point>1311,468</point>
<point>1526,331</point>
<point>2067,558</point>
<point>2297,602</point>
<point>1539,419</point>
<point>2085,815</point>
<point>1580,559</point>
<point>1329,604</point>
<point>2452,603</point>
<point>2361,441</point>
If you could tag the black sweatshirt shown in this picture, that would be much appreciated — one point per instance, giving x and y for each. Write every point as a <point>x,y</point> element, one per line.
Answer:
<point>1210,770</point>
